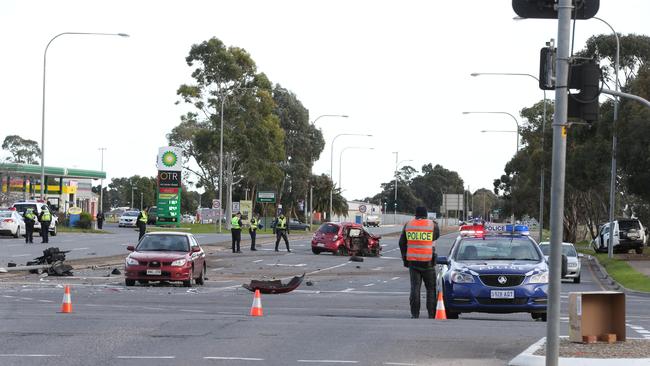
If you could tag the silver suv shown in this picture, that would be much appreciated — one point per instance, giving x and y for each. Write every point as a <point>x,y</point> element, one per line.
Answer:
<point>36,206</point>
<point>628,234</point>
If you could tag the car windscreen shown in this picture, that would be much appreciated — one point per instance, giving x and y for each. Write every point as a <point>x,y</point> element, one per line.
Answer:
<point>22,207</point>
<point>5,214</point>
<point>567,250</point>
<point>131,213</point>
<point>546,249</point>
<point>328,229</point>
<point>628,224</point>
<point>171,243</point>
<point>497,248</point>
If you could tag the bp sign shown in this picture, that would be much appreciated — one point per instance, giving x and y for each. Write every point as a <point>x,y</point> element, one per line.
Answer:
<point>168,203</point>
<point>266,197</point>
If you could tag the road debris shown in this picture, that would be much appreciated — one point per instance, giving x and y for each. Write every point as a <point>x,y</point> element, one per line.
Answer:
<point>274,286</point>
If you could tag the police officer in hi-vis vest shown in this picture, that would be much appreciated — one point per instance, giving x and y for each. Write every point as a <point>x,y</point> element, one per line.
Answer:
<point>141,222</point>
<point>45,218</point>
<point>30,219</point>
<point>252,230</point>
<point>235,229</point>
<point>417,244</point>
<point>281,230</point>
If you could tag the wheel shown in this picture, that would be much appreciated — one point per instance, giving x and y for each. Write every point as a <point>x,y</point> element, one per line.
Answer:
<point>538,316</point>
<point>315,251</point>
<point>188,283</point>
<point>638,250</point>
<point>53,233</point>
<point>17,233</point>
<point>342,250</point>
<point>577,279</point>
<point>201,279</point>
<point>129,282</point>
<point>144,282</point>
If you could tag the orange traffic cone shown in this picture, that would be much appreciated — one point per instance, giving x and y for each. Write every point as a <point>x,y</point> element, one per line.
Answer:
<point>256,310</point>
<point>441,314</point>
<point>66,306</point>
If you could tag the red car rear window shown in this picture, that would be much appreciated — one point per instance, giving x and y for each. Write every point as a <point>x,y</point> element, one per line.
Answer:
<point>329,229</point>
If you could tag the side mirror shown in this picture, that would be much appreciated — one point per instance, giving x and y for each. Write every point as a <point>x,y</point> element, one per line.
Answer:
<point>442,260</point>
<point>130,248</point>
<point>196,249</point>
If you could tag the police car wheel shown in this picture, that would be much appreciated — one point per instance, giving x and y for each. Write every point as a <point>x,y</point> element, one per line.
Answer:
<point>53,232</point>
<point>576,280</point>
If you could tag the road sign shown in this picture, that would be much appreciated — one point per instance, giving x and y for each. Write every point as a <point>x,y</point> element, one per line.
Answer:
<point>266,197</point>
<point>216,204</point>
<point>362,208</point>
<point>235,207</point>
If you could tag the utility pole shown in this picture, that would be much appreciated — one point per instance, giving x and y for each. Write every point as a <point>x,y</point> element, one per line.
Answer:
<point>101,183</point>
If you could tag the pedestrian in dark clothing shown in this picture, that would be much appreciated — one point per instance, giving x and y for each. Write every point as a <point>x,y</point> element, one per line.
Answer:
<point>235,230</point>
<point>45,218</point>
<point>30,219</point>
<point>141,221</point>
<point>252,230</point>
<point>100,220</point>
<point>417,244</point>
<point>281,231</point>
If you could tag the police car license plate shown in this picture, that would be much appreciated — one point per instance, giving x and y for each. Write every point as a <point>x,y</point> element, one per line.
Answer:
<point>154,272</point>
<point>502,294</point>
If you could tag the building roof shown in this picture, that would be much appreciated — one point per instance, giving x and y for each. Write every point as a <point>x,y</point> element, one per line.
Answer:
<point>35,170</point>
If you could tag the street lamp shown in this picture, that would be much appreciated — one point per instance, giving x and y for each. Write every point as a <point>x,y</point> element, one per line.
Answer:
<point>101,183</point>
<point>332,165</point>
<point>132,189</point>
<point>541,174</point>
<point>513,117</point>
<point>329,115</point>
<point>341,157</point>
<point>396,168</point>
<point>43,107</point>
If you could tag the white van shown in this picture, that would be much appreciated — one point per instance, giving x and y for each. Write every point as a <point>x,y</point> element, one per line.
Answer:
<point>628,234</point>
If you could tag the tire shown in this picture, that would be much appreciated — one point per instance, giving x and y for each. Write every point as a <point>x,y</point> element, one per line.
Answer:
<point>201,279</point>
<point>53,233</point>
<point>315,251</point>
<point>638,250</point>
<point>144,282</point>
<point>17,233</point>
<point>129,282</point>
<point>576,280</point>
<point>342,251</point>
<point>188,283</point>
<point>538,316</point>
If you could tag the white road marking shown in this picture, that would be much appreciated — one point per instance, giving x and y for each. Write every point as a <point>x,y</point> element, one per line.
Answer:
<point>348,289</point>
<point>391,250</point>
<point>328,268</point>
<point>368,285</point>
<point>382,257</point>
<point>15,245</point>
<point>192,311</point>
<point>233,358</point>
<point>394,278</point>
<point>286,265</point>
<point>45,301</point>
<point>80,249</point>
<point>218,269</point>
<point>28,355</point>
<point>642,331</point>
<point>377,269</point>
<point>327,361</point>
<point>146,357</point>
<point>259,260</point>
<point>399,364</point>
<point>20,255</point>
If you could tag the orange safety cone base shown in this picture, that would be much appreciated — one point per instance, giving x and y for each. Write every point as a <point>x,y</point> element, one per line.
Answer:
<point>66,306</point>
<point>256,309</point>
<point>441,314</point>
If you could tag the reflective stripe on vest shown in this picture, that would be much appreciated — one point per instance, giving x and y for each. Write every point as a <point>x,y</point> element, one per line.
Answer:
<point>235,222</point>
<point>419,240</point>
<point>282,223</point>
<point>253,224</point>
<point>144,217</point>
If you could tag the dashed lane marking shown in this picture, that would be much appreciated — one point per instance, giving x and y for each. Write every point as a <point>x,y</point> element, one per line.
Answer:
<point>640,330</point>
<point>368,285</point>
<point>233,358</point>
<point>348,290</point>
<point>259,260</point>
<point>80,249</point>
<point>377,269</point>
<point>191,311</point>
<point>382,257</point>
<point>20,255</point>
<point>146,357</point>
<point>286,265</point>
<point>399,364</point>
<point>394,278</point>
<point>327,361</point>
<point>27,355</point>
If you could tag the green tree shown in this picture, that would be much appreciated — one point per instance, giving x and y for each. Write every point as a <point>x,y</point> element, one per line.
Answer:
<point>322,185</point>
<point>119,192</point>
<point>23,151</point>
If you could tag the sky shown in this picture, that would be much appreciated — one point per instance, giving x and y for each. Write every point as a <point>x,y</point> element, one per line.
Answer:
<point>399,69</point>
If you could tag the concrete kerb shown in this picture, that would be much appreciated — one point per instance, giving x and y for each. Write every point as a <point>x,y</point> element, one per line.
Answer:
<point>528,358</point>
<point>610,282</point>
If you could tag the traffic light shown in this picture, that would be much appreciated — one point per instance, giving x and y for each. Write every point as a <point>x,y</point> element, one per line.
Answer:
<point>547,9</point>
<point>547,68</point>
<point>584,76</point>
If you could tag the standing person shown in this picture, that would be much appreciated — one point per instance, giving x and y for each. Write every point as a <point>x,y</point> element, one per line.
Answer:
<point>45,218</point>
<point>30,220</point>
<point>235,229</point>
<point>252,230</point>
<point>417,244</point>
<point>281,231</point>
<point>141,221</point>
<point>100,220</point>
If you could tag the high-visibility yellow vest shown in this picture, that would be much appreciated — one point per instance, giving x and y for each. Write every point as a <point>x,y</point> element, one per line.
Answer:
<point>253,224</point>
<point>235,223</point>
<point>419,240</point>
<point>30,215</point>
<point>143,217</point>
<point>46,216</point>
<point>282,223</point>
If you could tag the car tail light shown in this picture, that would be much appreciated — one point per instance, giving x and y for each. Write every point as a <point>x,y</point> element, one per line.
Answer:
<point>8,220</point>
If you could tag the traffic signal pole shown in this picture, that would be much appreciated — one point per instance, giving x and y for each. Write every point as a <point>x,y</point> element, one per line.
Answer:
<point>564,8</point>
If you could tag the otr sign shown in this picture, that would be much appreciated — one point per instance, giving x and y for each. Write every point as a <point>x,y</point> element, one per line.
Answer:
<point>169,179</point>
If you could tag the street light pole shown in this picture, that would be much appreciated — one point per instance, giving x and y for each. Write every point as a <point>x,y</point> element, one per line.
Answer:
<point>132,189</point>
<point>42,183</point>
<point>513,117</point>
<point>612,180</point>
<point>332,167</point>
<point>101,183</point>
<point>542,168</point>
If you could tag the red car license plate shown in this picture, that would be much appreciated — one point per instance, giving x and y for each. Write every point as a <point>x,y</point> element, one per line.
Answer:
<point>154,272</point>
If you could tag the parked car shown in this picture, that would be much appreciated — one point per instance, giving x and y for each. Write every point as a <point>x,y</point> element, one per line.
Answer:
<point>292,224</point>
<point>152,215</point>
<point>572,258</point>
<point>188,219</point>
<point>345,238</point>
<point>372,220</point>
<point>11,223</point>
<point>628,234</point>
<point>129,219</point>
<point>166,256</point>
<point>37,207</point>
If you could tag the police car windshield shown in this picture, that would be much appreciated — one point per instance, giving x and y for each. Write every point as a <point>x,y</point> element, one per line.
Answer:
<point>498,248</point>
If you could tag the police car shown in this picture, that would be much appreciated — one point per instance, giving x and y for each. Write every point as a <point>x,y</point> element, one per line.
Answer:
<point>494,269</point>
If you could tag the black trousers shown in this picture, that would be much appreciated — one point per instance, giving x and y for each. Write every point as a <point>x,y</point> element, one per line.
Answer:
<point>143,230</point>
<point>29,233</point>
<point>281,234</point>
<point>45,232</point>
<point>100,224</point>
<point>236,239</point>
<point>428,276</point>
<point>253,236</point>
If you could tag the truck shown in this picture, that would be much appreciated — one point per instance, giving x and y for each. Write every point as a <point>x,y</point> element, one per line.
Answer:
<point>372,220</point>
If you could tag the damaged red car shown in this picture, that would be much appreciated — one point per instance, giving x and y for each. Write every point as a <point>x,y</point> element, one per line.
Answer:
<point>345,238</point>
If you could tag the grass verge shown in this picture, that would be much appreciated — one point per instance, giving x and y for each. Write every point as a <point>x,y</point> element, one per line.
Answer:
<point>618,269</point>
<point>212,229</point>
<point>65,229</point>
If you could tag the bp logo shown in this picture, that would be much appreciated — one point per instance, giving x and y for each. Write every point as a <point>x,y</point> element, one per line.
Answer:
<point>169,159</point>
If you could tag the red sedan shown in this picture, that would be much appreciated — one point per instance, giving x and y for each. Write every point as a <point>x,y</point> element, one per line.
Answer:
<point>166,256</point>
<point>345,238</point>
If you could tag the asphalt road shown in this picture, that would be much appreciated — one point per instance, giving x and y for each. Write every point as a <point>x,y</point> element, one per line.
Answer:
<point>353,313</point>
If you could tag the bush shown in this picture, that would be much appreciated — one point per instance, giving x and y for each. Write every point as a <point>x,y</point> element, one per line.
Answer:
<point>85,220</point>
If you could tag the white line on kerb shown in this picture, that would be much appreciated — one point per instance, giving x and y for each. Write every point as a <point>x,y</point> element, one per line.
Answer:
<point>233,358</point>
<point>328,361</point>
<point>146,357</point>
<point>34,355</point>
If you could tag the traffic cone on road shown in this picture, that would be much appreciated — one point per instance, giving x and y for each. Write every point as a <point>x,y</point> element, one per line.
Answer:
<point>66,306</point>
<point>256,310</point>
<point>441,314</point>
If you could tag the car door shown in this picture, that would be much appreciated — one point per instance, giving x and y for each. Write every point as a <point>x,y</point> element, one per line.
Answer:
<point>197,257</point>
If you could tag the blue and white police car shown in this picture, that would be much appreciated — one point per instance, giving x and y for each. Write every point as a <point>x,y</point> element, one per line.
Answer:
<point>494,269</point>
